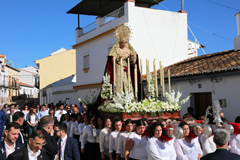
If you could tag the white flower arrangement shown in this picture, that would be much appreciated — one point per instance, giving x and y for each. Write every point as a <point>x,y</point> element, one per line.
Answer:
<point>106,92</point>
<point>123,102</point>
<point>90,100</point>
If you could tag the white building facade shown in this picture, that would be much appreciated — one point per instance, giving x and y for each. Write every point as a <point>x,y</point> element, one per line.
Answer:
<point>29,82</point>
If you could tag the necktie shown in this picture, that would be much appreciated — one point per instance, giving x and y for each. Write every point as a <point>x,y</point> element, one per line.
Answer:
<point>59,146</point>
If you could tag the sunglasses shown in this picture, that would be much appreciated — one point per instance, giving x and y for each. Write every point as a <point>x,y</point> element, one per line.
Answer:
<point>57,131</point>
<point>38,144</point>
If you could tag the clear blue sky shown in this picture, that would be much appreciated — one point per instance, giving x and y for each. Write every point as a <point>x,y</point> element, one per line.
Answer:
<point>32,29</point>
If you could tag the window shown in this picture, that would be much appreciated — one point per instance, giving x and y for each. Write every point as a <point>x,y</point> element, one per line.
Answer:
<point>86,63</point>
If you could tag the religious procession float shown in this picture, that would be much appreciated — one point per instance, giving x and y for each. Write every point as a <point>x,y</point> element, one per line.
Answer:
<point>124,93</point>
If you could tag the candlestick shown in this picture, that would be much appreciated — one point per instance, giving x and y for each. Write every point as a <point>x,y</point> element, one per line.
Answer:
<point>135,77</point>
<point>129,76</point>
<point>141,69</point>
<point>114,71</point>
<point>169,82</point>
<point>121,65</point>
<point>155,78</point>
<point>160,74</point>
<point>163,82</point>
<point>148,77</point>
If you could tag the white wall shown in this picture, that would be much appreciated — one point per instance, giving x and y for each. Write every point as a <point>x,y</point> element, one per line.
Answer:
<point>158,34</point>
<point>228,88</point>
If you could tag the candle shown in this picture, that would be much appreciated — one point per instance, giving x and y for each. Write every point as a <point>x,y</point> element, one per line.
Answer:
<point>155,77</point>
<point>135,77</point>
<point>129,76</point>
<point>141,69</point>
<point>114,72</point>
<point>148,71</point>
<point>160,73</point>
<point>169,82</point>
<point>163,82</point>
<point>121,76</point>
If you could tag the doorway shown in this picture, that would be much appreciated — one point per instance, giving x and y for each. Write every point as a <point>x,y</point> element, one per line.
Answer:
<point>202,101</point>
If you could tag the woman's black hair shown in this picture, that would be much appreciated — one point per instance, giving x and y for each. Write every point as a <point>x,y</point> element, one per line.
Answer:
<point>117,119</point>
<point>183,124</point>
<point>152,127</point>
<point>140,122</point>
<point>128,121</point>
<point>95,123</point>
<point>62,118</point>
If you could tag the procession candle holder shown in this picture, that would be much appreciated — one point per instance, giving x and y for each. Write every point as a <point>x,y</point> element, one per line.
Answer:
<point>136,99</point>
<point>114,90</point>
<point>141,90</point>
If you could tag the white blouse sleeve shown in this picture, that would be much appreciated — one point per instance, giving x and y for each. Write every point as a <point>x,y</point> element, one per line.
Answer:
<point>120,144</point>
<point>84,137</point>
<point>179,151</point>
<point>71,130</point>
<point>81,128</point>
<point>199,147</point>
<point>152,151</point>
<point>95,132</point>
<point>101,140</point>
<point>111,139</point>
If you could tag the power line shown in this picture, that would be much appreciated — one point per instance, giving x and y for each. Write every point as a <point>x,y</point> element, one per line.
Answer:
<point>201,27</point>
<point>223,5</point>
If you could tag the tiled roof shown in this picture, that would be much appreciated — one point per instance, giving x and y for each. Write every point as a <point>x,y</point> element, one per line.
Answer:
<point>25,84</point>
<point>211,63</point>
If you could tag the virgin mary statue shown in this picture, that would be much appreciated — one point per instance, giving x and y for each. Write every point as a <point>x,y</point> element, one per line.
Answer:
<point>122,49</point>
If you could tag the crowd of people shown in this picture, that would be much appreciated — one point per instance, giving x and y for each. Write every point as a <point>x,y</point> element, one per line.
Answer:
<point>70,133</point>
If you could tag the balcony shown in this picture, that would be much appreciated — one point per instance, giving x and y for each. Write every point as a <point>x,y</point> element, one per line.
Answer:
<point>102,24</point>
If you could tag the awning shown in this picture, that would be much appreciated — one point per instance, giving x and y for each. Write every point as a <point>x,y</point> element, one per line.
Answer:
<point>92,7</point>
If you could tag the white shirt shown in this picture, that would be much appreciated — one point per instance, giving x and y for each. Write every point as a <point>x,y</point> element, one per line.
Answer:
<point>80,130</point>
<point>234,146</point>
<point>74,129</point>
<point>58,114</point>
<point>8,150</point>
<point>158,150</point>
<point>113,141</point>
<point>121,143</point>
<point>25,114</point>
<point>104,140</point>
<point>138,150</point>
<point>42,114</point>
<point>31,155</point>
<point>15,110</point>
<point>32,119</point>
<point>87,136</point>
<point>63,144</point>
<point>208,146</point>
<point>187,150</point>
<point>96,133</point>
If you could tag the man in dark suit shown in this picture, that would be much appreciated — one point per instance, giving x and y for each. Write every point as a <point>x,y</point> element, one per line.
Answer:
<point>9,115</point>
<point>222,141</point>
<point>67,146</point>
<point>46,125</point>
<point>51,113</point>
<point>18,117</point>
<point>9,145</point>
<point>33,150</point>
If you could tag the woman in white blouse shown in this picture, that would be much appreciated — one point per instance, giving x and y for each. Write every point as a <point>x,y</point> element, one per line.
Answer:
<point>135,146</point>
<point>113,139</point>
<point>157,148</point>
<point>104,139</point>
<point>32,120</point>
<point>88,140</point>
<point>187,148</point>
<point>97,127</point>
<point>122,139</point>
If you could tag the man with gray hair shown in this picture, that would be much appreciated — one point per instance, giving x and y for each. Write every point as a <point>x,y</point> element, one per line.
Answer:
<point>222,141</point>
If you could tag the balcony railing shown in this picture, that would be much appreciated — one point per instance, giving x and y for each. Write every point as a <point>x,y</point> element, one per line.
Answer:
<point>89,27</point>
<point>114,15</point>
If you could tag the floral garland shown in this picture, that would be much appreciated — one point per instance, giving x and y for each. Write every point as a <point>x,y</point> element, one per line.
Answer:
<point>121,103</point>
